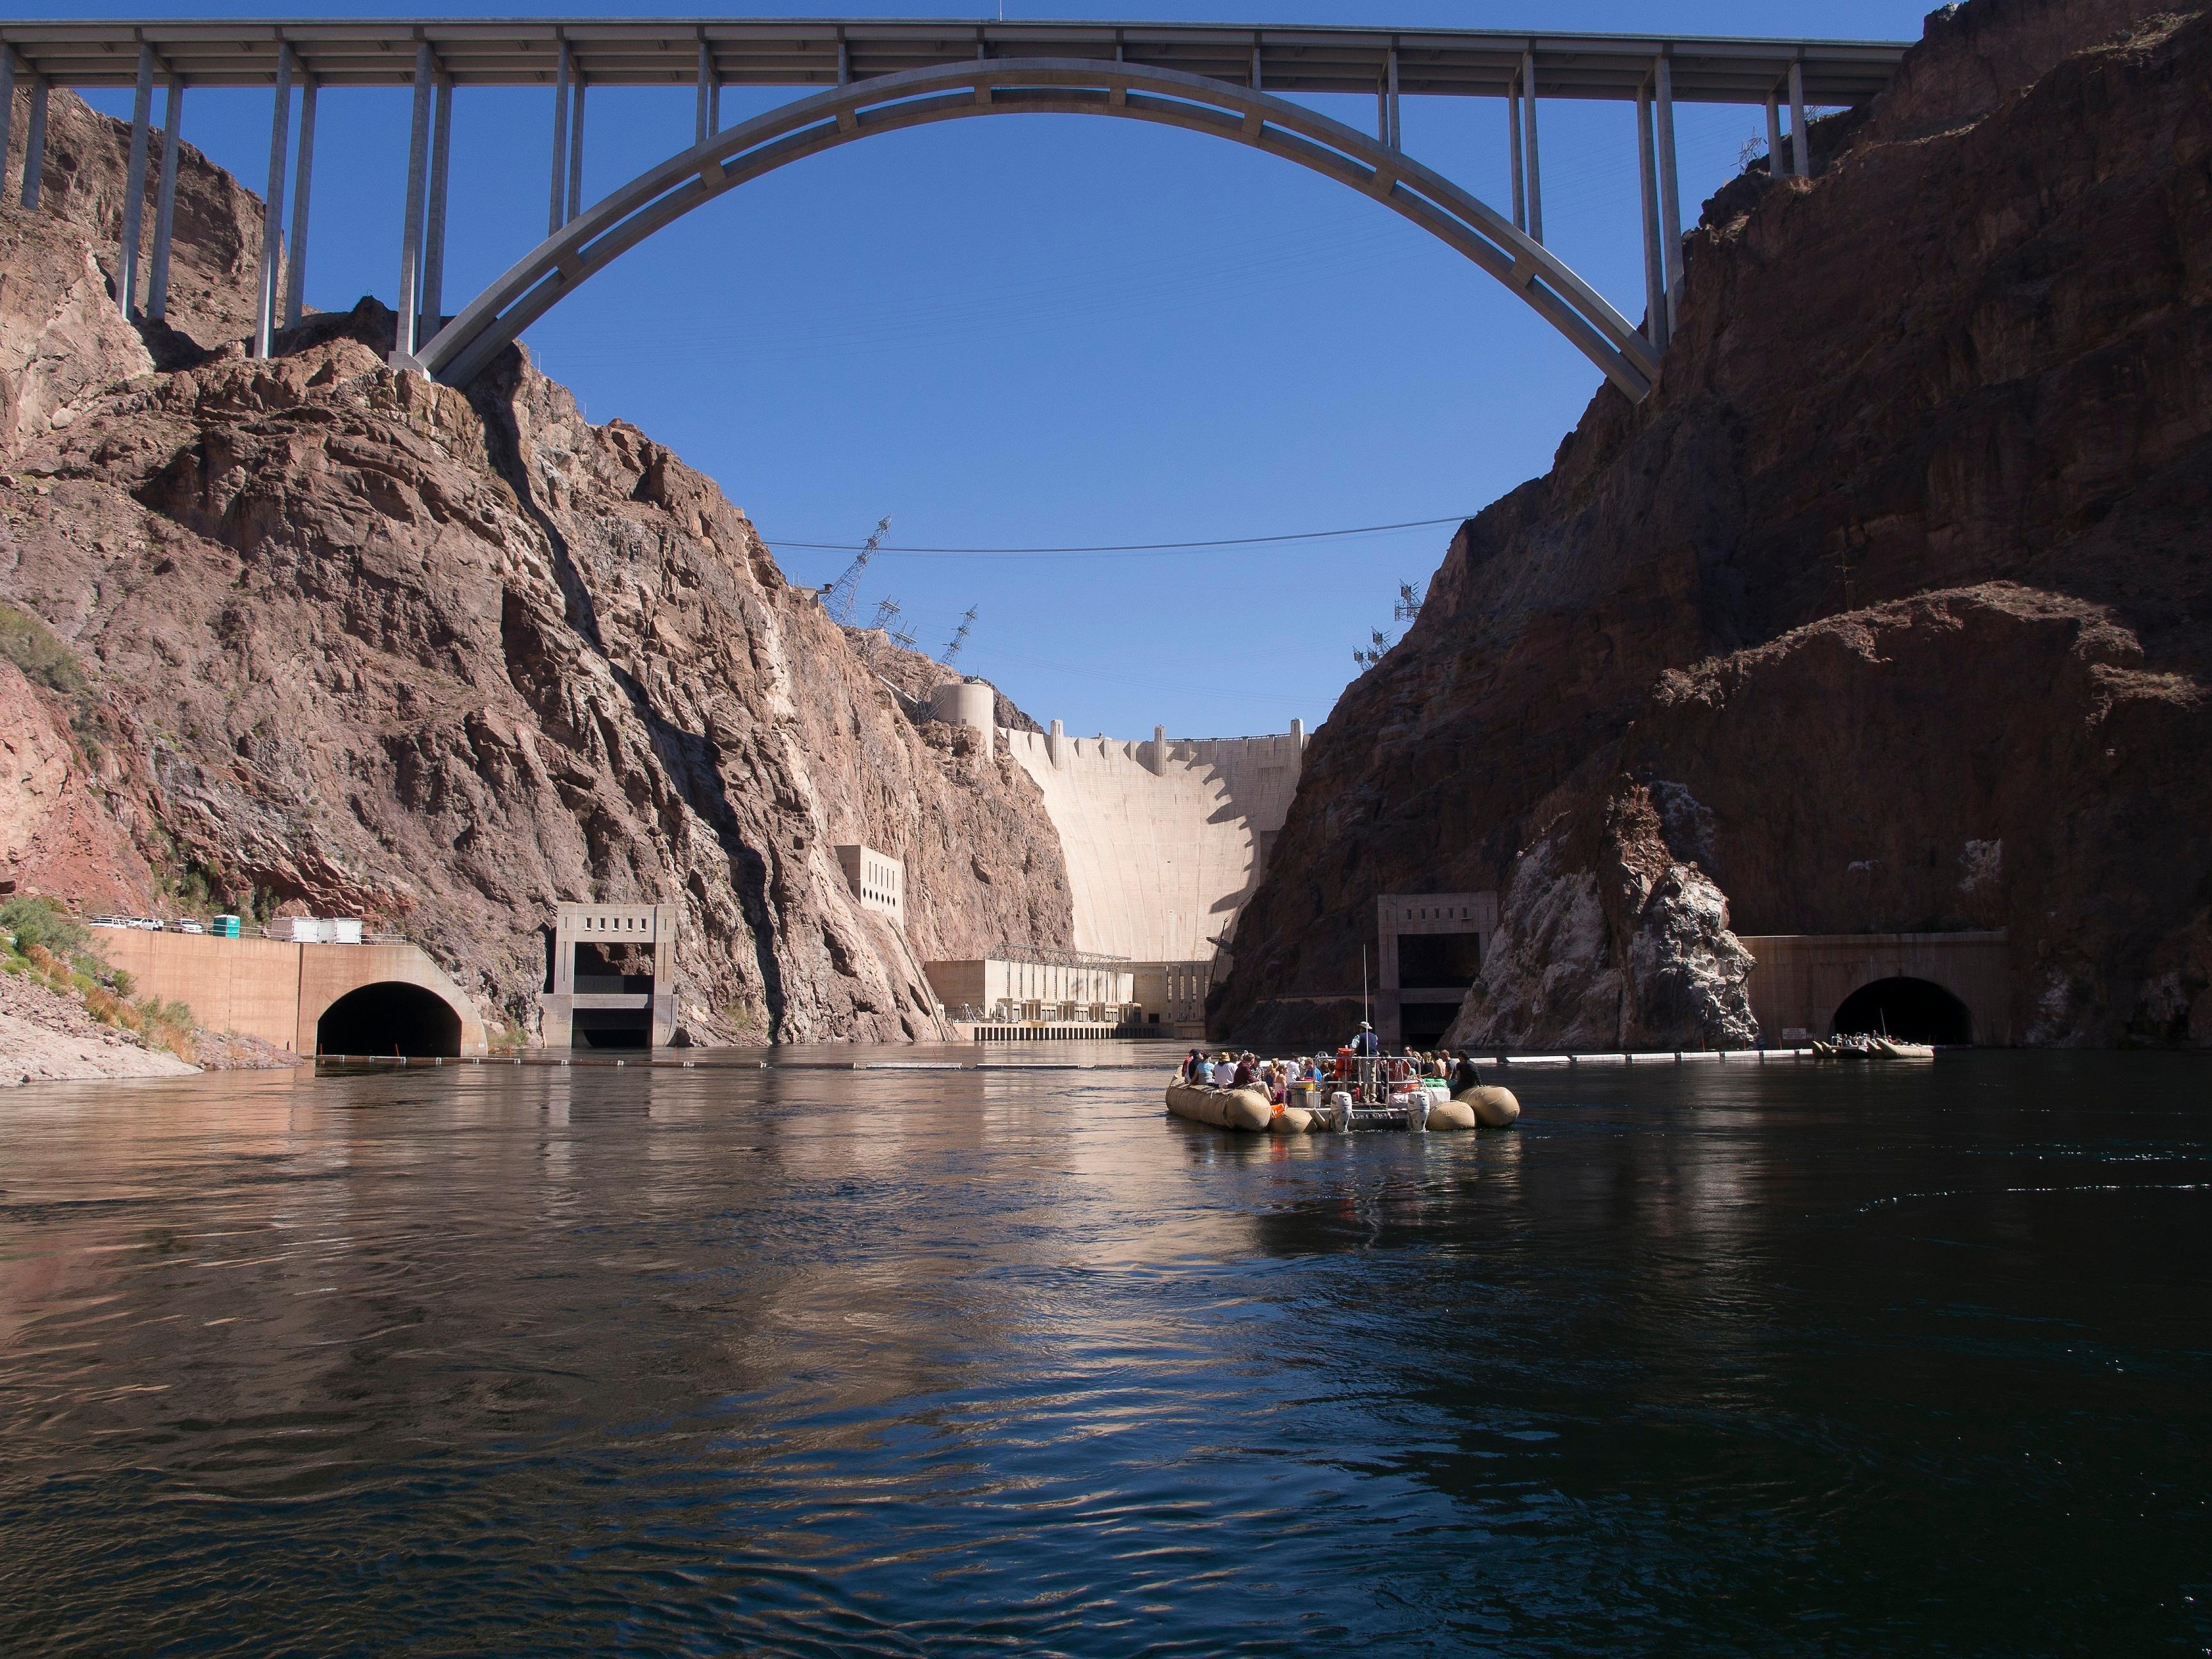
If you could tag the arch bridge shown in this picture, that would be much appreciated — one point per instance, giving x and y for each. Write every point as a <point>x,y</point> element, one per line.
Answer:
<point>859,77</point>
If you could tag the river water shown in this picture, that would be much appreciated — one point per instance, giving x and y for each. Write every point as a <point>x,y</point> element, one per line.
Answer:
<point>1780,1359</point>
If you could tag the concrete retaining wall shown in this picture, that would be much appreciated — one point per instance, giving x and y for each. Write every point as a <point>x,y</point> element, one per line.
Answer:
<point>269,989</point>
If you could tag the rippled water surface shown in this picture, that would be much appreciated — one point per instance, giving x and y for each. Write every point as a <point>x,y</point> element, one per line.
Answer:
<point>1713,1359</point>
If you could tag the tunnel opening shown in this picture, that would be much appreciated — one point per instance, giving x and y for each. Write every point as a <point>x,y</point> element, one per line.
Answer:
<point>1911,1009</point>
<point>611,1028</point>
<point>612,969</point>
<point>1423,1026</point>
<point>390,1017</point>
<point>1429,962</point>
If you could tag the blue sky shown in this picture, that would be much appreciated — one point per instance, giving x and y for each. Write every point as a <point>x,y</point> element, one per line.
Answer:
<point>1051,330</point>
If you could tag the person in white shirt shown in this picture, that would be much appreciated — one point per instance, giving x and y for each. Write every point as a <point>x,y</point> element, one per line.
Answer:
<point>1225,1072</point>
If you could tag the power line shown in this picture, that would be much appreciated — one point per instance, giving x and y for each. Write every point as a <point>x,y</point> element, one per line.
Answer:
<point>1136,547</point>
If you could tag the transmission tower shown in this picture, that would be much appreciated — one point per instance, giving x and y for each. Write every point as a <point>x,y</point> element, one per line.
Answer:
<point>959,637</point>
<point>837,597</point>
<point>902,638</point>
<point>1409,603</point>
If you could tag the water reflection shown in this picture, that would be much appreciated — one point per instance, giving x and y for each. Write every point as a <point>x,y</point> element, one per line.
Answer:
<point>1721,1358</point>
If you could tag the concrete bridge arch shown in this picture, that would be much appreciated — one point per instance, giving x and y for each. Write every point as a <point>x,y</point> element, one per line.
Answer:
<point>913,98</point>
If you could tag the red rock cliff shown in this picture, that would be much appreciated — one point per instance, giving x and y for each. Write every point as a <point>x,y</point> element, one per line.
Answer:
<point>1891,603</point>
<point>336,637</point>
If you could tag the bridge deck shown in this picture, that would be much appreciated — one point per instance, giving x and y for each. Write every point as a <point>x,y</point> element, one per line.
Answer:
<point>665,51</point>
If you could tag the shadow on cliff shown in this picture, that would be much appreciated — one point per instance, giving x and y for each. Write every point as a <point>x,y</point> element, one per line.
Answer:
<point>690,760</point>
<point>1922,508</point>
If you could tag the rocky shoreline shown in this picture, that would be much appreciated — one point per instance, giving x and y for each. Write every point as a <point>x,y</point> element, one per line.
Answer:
<point>46,1037</point>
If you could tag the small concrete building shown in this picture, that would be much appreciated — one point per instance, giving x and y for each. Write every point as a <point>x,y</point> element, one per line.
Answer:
<point>1170,996</point>
<point>592,999</point>
<point>972,703</point>
<point>878,880</point>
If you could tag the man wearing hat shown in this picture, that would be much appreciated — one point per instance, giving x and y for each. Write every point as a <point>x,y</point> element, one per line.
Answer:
<point>1366,1053</point>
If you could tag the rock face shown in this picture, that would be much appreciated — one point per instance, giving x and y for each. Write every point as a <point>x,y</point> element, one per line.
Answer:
<point>60,336</point>
<point>1611,937</point>
<point>59,831</point>
<point>365,645</point>
<point>1898,580</point>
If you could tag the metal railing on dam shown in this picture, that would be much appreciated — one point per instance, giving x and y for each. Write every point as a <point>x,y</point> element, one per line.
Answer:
<point>859,76</point>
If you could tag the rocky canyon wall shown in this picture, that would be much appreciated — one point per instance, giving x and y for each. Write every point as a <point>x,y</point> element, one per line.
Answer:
<point>1888,608</point>
<point>337,639</point>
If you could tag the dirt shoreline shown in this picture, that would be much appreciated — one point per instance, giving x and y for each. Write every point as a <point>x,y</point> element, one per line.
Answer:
<point>47,1037</point>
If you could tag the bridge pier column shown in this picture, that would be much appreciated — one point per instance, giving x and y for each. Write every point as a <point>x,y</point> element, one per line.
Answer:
<point>134,184</point>
<point>1670,203</point>
<point>165,199</point>
<point>576,147</point>
<point>6,108</point>
<point>303,178</point>
<point>34,142</point>
<point>1774,167</point>
<point>1529,121</point>
<point>34,130</point>
<point>272,207</point>
<point>1395,136</point>
<point>556,216</point>
<point>1655,267</point>
<point>1513,152</point>
<point>710,118</point>
<point>1801,148</point>
<point>433,230</point>
<point>410,231</point>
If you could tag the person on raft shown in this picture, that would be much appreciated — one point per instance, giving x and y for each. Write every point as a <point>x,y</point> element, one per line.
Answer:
<point>1465,1074</point>
<point>1367,1058</point>
<point>1192,1063</point>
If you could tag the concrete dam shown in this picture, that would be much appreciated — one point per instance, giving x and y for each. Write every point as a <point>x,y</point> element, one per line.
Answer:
<point>1165,838</point>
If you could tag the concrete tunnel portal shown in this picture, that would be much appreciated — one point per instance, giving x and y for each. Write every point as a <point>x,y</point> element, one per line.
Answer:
<point>390,1016</point>
<point>1913,1010</point>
